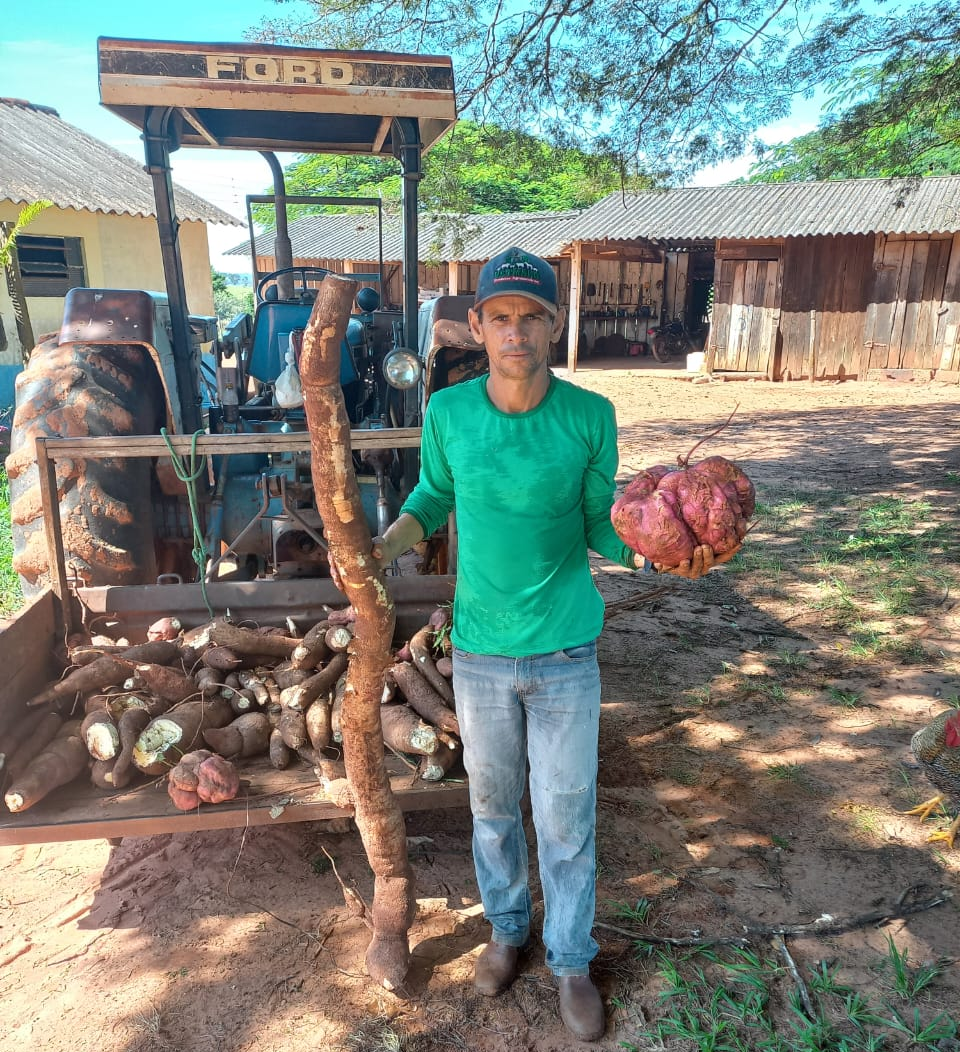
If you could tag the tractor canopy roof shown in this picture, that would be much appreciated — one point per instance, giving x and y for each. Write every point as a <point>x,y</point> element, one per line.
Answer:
<point>254,96</point>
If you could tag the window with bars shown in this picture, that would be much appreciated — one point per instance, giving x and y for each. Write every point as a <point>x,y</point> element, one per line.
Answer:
<point>50,266</point>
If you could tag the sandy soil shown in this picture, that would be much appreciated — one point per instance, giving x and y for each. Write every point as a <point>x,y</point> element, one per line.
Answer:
<point>240,941</point>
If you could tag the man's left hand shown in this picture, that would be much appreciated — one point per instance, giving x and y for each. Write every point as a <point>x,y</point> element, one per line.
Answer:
<point>702,561</point>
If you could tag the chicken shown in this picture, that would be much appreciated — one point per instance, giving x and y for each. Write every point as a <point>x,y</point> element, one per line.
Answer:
<point>937,749</point>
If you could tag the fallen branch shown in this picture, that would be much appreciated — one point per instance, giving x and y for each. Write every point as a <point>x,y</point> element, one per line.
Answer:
<point>631,602</point>
<point>823,925</point>
<point>802,991</point>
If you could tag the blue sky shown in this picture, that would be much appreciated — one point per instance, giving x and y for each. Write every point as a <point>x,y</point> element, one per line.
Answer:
<point>48,55</point>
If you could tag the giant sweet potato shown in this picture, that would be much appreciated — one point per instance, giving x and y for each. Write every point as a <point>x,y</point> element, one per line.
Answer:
<point>664,513</point>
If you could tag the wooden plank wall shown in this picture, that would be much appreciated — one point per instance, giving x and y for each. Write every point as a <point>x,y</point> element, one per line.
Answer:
<point>874,302</point>
<point>946,341</point>
<point>746,300</point>
<point>27,643</point>
<point>622,284</point>
<point>833,277</point>
<point>911,322</point>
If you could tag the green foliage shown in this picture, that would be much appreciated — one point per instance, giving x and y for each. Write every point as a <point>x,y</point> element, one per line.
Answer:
<point>8,235</point>
<point>472,169</point>
<point>734,1001</point>
<point>230,300</point>
<point>218,280</point>
<point>672,86</point>
<point>909,979</point>
<point>11,598</point>
<point>664,87</point>
<point>893,100</point>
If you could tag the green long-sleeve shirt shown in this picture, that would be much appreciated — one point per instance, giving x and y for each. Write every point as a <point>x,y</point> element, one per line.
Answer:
<point>532,493</point>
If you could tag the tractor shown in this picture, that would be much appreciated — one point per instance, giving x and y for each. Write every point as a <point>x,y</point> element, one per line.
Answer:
<point>133,363</point>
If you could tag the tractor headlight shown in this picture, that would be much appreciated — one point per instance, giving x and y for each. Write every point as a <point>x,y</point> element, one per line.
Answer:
<point>402,369</point>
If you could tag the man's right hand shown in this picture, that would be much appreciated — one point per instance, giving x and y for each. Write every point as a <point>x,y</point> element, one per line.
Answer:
<point>377,552</point>
<point>399,537</point>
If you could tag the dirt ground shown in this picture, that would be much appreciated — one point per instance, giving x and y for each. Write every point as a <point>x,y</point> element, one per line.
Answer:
<point>240,941</point>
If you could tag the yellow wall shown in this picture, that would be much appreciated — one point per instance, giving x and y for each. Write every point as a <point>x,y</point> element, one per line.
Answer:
<point>121,252</point>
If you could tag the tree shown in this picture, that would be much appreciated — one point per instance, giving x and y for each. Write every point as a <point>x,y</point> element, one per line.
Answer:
<point>472,169</point>
<point>662,86</point>
<point>666,86</point>
<point>907,125</point>
<point>229,301</point>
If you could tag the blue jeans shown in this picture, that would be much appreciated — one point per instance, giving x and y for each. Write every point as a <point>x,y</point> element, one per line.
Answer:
<point>544,709</point>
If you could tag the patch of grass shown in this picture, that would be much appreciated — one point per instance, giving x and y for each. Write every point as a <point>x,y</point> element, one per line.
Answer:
<point>859,562</point>
<point>792,658</point>
<point>684,775</point>
<point>866,641</point>
<point>377,1034</point>
<point>758,560</point>
<point>868,821</point>
<point>775,692</point>
<point>787,772</point>
<point>11,598</point>
<point>797,776</point>
<point>846,699</point>
<point>931,1035</point>
<point>908,979</point>
<point>728,1000</point>
<point>911,652</point>
<point>638,913</point>
<point>699,695</point>
<point>151,1026</point>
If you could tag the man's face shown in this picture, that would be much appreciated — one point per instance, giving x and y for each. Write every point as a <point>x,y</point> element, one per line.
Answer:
<point>517,333</point>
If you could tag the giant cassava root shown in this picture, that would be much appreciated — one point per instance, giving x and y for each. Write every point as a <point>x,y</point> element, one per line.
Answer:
<point>376,812</point>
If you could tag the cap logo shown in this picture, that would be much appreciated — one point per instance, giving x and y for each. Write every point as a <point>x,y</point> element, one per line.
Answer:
<point>517,273</point>
<point>516,269</point>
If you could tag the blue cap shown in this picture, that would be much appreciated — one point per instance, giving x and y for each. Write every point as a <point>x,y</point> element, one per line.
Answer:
<point>518,273</point>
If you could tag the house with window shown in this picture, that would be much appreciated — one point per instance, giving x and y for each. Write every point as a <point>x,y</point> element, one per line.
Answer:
<point>100,230</point>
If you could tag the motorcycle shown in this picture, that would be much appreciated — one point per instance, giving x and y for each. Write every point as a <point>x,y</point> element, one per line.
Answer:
<point>674,339</point>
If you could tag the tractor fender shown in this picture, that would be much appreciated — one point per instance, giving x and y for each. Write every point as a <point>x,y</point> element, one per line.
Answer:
<point>128,316</point>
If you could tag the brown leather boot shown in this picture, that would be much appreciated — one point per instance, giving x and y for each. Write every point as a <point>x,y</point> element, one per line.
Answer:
<point>581,1008</point>
<point>496,968</point>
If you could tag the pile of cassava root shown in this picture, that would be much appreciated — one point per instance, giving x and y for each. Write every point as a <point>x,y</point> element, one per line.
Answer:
<point>194,705</point>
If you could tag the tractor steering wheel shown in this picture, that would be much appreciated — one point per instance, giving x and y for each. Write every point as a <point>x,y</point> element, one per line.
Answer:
<point>301,292</point>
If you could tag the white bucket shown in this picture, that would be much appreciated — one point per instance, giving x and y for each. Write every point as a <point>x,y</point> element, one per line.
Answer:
<point>694,361</point>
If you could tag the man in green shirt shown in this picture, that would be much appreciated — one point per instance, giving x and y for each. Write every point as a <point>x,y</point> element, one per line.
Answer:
<point>528,460</point>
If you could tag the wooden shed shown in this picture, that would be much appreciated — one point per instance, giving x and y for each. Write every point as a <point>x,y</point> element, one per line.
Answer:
<point>824,280</point>
<point>830,279</point>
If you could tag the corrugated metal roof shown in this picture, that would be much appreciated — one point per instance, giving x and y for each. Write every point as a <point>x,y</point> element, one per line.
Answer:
<point>848,206</point>
<point>43,157</point>
<point>741,211</point>
<point>465,239</point>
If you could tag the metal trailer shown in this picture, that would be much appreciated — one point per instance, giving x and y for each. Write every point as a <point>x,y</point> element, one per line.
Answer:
<point>235,96</point>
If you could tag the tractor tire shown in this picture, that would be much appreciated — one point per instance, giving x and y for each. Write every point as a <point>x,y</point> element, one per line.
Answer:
<point>76,391</point>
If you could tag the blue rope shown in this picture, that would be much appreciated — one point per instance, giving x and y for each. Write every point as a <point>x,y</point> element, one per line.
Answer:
<point>188,472</point>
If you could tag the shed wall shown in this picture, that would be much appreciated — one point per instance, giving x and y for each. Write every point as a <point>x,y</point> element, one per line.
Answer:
<point>837,306</point>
